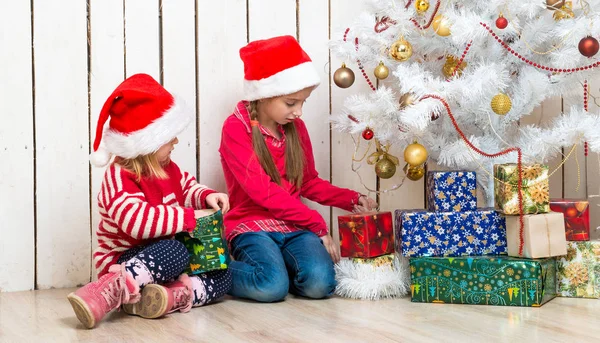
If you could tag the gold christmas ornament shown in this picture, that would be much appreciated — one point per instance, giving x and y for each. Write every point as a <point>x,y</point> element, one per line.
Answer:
<point>422,6</point>
<point>554,4</point>
<point>385,163</point>
<point>415,173</point>
<point>407,99</point>
<point>441,26</point>
<point>450,65</point>
<point>415,154</point>
<point>565,12</point>
<point>501,104</point>
<point>343,77</point>
<point>381,71</point>
<point>401,50</point>
<point>385,168</point>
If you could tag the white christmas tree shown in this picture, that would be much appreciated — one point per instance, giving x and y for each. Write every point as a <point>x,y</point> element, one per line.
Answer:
<point>492,62</point>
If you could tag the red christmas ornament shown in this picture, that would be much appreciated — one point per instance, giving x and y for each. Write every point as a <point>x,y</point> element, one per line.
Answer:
<point>501,22</point>
<point>367,134</point>
<point>588,46</point>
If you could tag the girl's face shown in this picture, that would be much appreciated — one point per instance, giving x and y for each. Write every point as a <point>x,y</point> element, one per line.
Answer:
<point>284,109</point>
<point>164,153</point>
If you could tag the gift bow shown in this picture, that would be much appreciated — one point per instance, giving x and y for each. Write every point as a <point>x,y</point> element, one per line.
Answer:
<point>382,152</point>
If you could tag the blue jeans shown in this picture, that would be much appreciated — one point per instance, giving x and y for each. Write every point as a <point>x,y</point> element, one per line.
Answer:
<point>269,264</point>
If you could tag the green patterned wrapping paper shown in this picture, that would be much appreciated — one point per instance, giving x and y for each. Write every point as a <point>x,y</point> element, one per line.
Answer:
<point>503,281</point>
<point>535,189</point>
<point>384,260</point>
<point>208,251</point>
<point>579,272</point>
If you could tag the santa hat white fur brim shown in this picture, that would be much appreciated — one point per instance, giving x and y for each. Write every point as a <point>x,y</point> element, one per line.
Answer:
<point>145,141</point>
<point>285,82</point>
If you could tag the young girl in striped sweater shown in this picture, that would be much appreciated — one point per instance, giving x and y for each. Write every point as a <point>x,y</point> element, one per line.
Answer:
<point>144,201</point>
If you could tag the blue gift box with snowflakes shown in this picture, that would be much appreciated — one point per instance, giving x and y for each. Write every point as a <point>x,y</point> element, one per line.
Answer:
<point>451,191</point>
<point>421,233</point>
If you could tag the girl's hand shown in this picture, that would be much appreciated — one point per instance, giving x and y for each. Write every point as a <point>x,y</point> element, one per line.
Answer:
<point>332,249</point>
<point>218,201</point>
<point>365,204</point>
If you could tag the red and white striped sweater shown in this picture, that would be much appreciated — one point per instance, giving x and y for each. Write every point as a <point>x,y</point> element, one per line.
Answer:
<point>136,213</point>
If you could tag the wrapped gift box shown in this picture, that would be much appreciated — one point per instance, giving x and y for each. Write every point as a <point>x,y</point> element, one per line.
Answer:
<point>421,233</point>
<point>577,217</point>
<point>385,260</point>
<point>543,235</point>
<point>578,272</point>
<point>504,281</point>
<point>366,234</point>
<point>451,191</point>
<point>208,251</point>
<point>535,189</point>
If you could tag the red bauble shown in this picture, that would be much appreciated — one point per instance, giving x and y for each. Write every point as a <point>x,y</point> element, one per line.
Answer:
<point>367,134</point>
<point>588,46</point>
<point>501,22</point>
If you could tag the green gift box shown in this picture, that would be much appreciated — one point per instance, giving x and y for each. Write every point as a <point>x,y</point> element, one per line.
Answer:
<point>579,271</point>
<point>207,248</point>
<point>534,188</point>
<point>502,281</point>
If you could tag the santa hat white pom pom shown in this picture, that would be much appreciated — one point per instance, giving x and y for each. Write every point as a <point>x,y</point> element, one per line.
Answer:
<point>100,157</point>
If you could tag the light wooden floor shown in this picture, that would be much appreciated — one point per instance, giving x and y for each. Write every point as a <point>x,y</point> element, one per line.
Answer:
<point>46,316</point>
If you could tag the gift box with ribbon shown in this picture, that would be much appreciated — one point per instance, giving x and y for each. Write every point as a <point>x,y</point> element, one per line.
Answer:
<point>543,235</point>
<point>577,217</point>
<point>579,271</point>
<point>366,234</point>
<point>486,280</point>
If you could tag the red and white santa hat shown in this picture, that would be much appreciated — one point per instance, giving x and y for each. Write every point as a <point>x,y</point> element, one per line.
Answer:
<point>276,66</point>
<point>143,117</point>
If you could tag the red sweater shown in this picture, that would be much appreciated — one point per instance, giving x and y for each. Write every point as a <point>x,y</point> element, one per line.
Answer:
<point>136,213</point>
<point>258,202</point>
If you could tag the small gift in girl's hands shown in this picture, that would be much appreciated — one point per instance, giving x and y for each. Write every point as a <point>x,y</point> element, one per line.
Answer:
<point>208,251</point>
<point>369,234</point>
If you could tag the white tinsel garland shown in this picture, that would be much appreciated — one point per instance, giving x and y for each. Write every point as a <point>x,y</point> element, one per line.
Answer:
<point>368,282</point>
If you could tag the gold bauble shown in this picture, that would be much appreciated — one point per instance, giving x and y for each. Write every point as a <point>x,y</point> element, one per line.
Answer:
<point>422,6</point>
<point>450,65</point>
<point>415,173</point>
<point>501,104</point>
<point>554,4</point>
<point>565,12</point>
<point>381,71</point>
<point>401,50</point>
<point>441,26</point>
<point>415,154</point>
<point>407,99</point>
<point>384,168</point>
<point>343,77</point>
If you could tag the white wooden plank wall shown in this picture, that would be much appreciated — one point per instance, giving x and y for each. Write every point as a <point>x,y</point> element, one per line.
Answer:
<point>17,212</point>
<point>52,93</point>
<point>62,140</point>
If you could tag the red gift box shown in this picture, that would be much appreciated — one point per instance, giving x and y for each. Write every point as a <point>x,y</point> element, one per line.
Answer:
<point>366,234</point>
<point>577,217</point>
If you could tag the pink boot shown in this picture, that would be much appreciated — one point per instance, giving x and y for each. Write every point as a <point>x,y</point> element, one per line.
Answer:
<point>94,300</point>
<point>159,300</point>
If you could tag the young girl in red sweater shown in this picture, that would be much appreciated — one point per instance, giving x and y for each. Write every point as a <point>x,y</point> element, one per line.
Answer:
<point>145,200</point>
<point>278,243</point>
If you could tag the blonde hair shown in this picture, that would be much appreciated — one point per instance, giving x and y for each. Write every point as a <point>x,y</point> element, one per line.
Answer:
<point>294,153</point>
<point>146,166</point>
